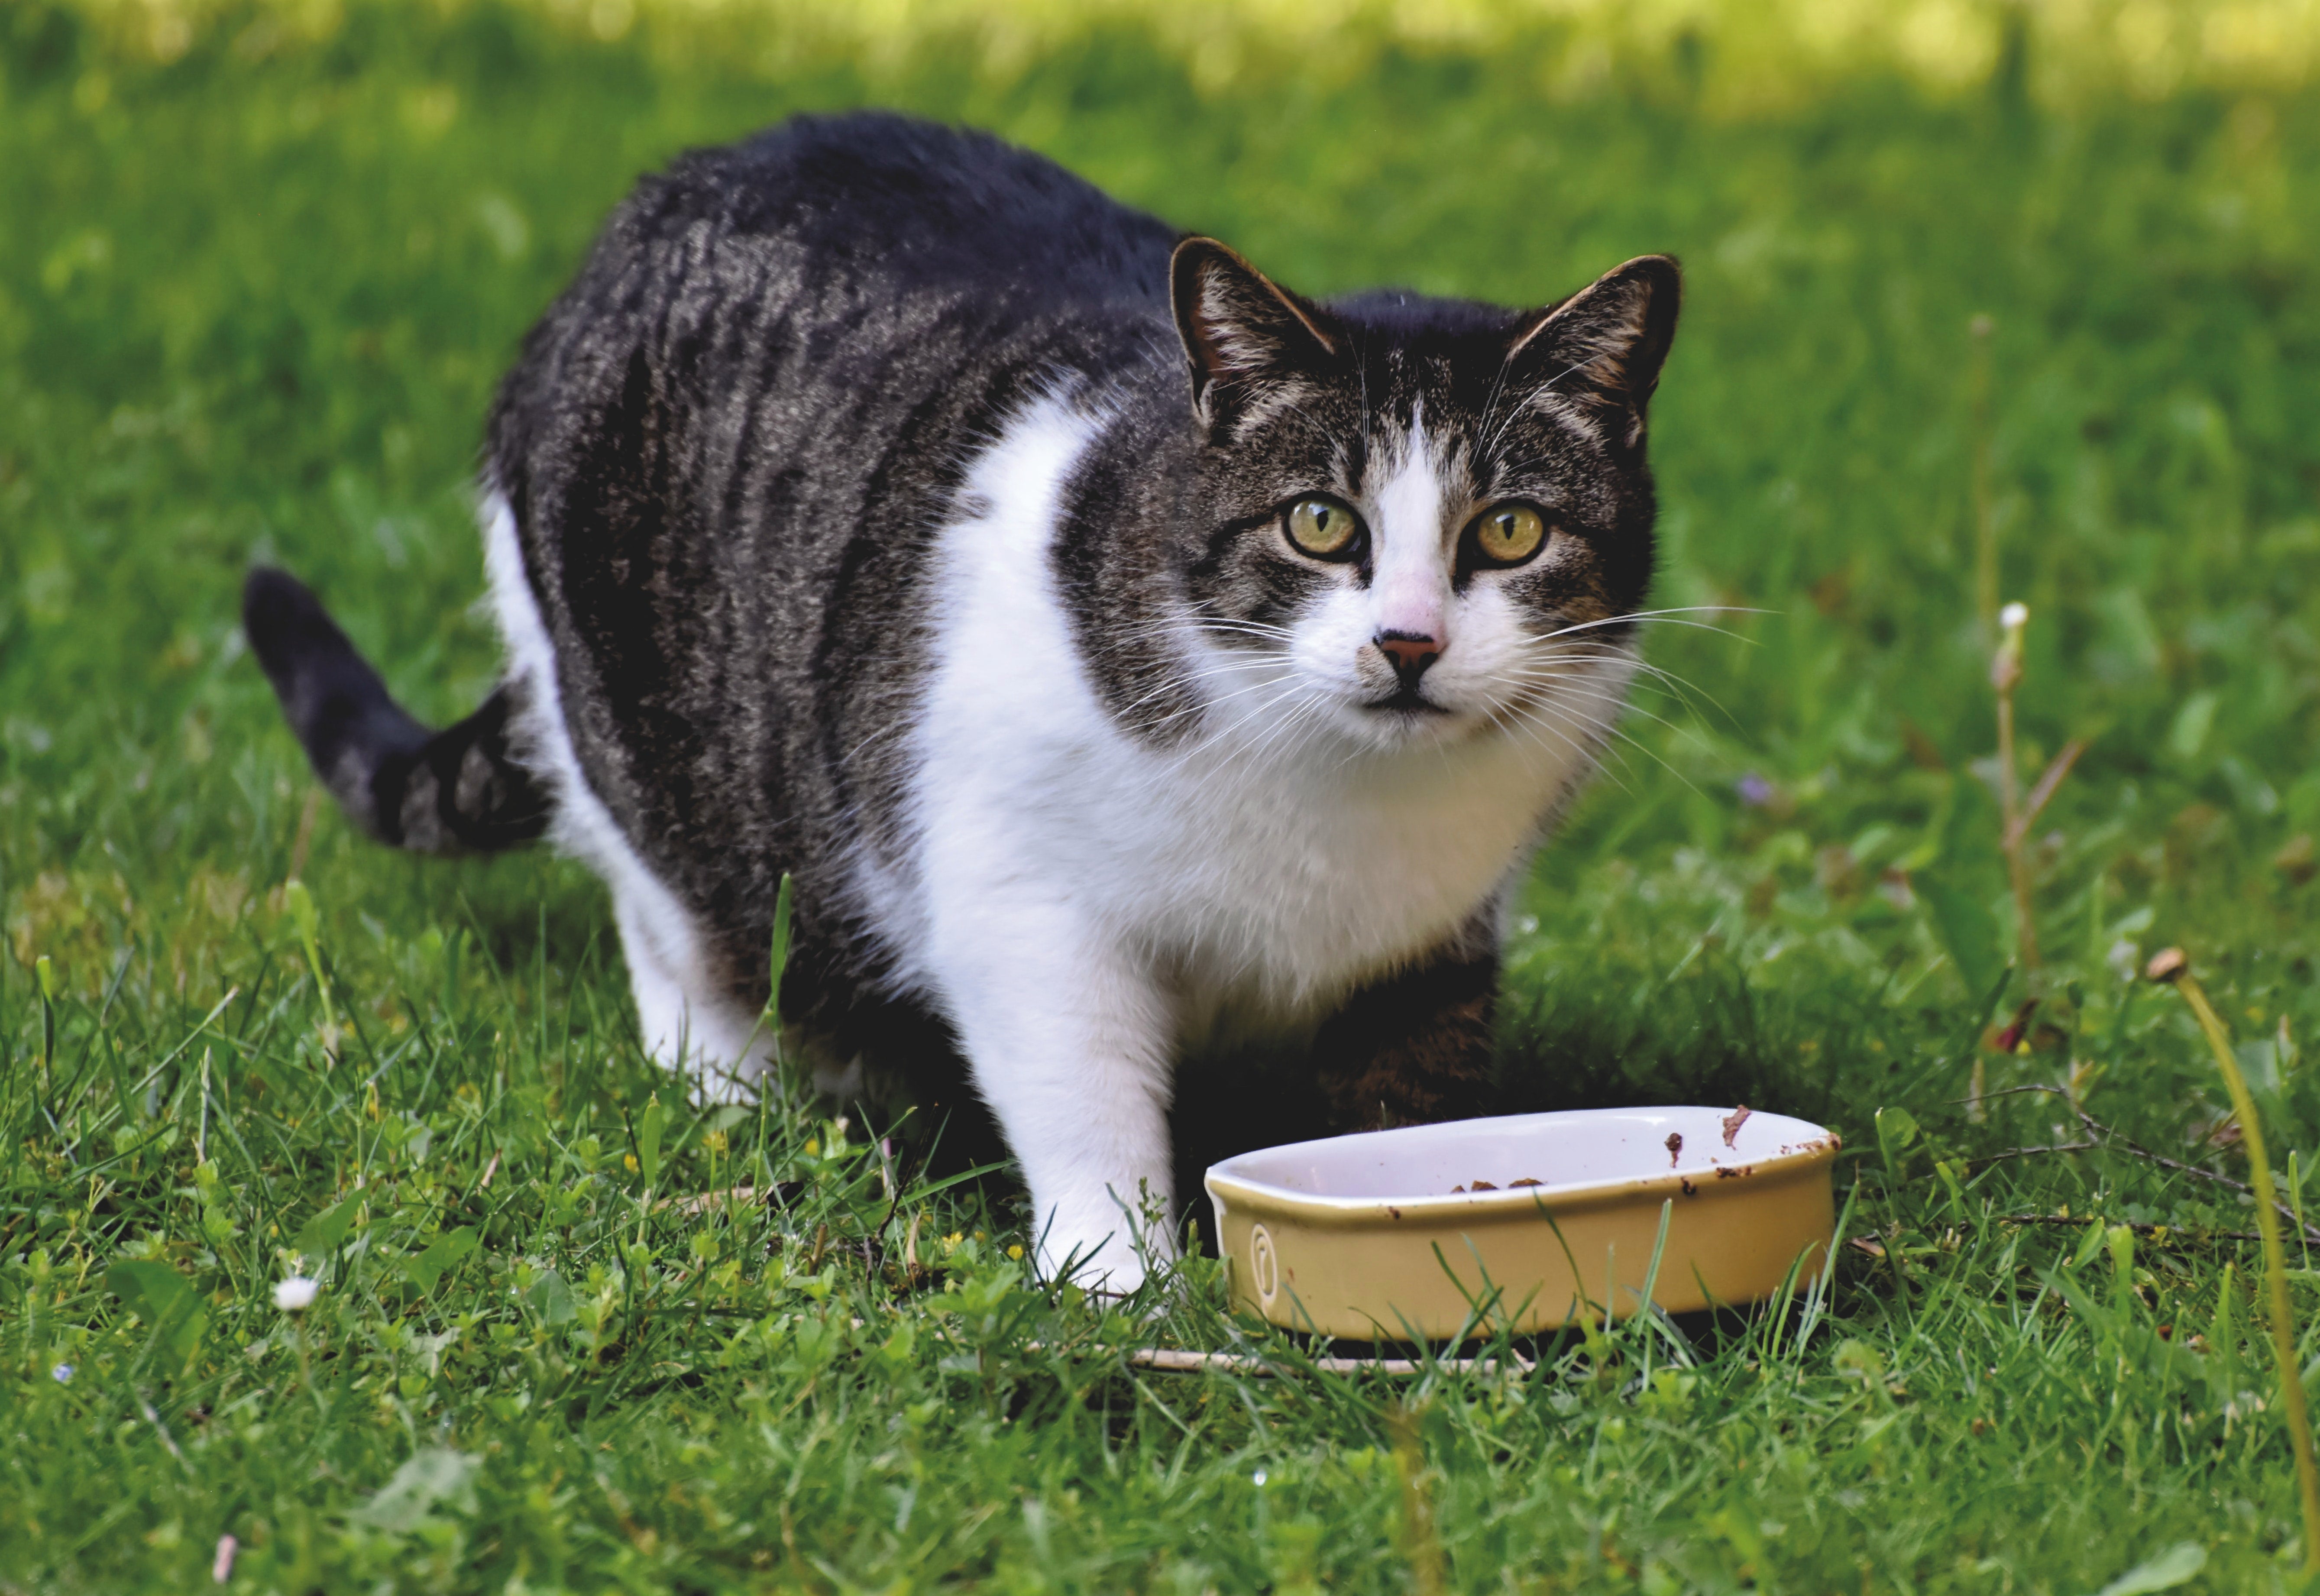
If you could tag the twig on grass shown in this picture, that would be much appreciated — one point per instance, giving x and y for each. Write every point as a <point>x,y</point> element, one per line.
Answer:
<point>2110,1140</point>
<point>1183,1360</point>
<point>2060,1146</point>
<point>2160,1232</point>
<point>2011,1091</point>
<point>1176,1360</point>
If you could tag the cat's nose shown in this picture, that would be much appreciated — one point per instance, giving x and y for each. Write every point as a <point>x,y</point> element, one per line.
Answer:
<point>1408,652</point>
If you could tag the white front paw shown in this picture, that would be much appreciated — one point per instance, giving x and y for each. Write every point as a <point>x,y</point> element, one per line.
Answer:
<point>1107,1245</point>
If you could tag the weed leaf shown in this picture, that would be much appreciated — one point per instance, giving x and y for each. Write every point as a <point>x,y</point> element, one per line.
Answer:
<point>1897,1133</point>
<point>551,1299</point>
<point>1967,929</point>
<point>2177,1565</point>
<point>430,1477</point>
<point>323,1235</point>
<point>650,1125</point>
<point>779,959</point>
<point>165,1299</point>
<point>442,1255</point>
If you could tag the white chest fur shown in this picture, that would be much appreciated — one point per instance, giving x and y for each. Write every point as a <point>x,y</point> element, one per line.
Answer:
<point>1081,899</point>
<point>1267,857</point>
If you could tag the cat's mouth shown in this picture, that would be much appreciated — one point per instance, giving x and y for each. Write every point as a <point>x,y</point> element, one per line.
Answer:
<point>1405,701</point>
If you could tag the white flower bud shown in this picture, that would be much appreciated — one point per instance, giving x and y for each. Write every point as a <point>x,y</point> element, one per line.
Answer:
<point>2013,615</point>
<point>295,1294</point>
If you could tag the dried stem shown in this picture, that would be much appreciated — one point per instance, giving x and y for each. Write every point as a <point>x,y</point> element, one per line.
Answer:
<point>2177,971</point>
<point>2006,675</point>
<point>2047,783</point>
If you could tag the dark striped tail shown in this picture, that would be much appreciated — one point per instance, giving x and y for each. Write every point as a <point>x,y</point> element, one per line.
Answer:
<point>458,790</point>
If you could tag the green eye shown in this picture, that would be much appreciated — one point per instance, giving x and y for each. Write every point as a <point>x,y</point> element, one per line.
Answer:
<point>1322,528</point>
<point>1509,534</point>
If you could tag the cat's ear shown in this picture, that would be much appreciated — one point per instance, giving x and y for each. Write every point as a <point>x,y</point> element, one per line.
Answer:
<point>1606,343</point>
<point>1241,329</point>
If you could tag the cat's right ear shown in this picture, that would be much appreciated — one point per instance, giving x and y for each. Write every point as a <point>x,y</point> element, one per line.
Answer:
<point>1241,330</point>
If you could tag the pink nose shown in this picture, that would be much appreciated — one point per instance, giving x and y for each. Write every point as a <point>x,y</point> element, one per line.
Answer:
<point>1411,652</point>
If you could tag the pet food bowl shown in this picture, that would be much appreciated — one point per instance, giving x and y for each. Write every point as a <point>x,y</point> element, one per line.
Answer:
<point>1529,1222</point>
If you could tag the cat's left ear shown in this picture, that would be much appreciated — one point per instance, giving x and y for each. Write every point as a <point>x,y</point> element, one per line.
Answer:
<point>1241,330</point>
<point>1606,343</point>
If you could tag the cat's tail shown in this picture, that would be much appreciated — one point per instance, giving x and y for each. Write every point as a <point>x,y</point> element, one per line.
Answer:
<point>452,791</point>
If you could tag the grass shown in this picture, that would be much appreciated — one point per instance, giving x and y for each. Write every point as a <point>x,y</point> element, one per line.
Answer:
<point>252,299</point>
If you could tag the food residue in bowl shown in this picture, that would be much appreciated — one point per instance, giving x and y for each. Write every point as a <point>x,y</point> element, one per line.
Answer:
<point>1487,1186</point>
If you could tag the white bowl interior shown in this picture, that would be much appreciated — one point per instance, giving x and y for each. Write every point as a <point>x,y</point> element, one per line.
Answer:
<point>1584,1148</point>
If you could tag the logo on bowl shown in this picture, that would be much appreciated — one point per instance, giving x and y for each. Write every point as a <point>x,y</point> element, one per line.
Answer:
<point>1265,1269</point>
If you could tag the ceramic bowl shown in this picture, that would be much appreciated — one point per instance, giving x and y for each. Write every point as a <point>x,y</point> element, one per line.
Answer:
<point>1545,1219</point>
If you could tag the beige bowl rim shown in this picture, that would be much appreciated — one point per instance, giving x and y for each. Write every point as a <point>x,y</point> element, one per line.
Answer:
<point>1808,1147</point>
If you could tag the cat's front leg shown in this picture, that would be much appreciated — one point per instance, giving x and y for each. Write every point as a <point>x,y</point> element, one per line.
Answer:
<point>1415,1047</point>
<point>1070,1041</point>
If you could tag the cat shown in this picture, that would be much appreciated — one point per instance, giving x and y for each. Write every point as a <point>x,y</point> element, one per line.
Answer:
<point>1119,651</point>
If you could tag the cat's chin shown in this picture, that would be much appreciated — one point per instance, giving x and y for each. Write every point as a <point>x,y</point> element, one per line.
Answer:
<point>1399,722</point>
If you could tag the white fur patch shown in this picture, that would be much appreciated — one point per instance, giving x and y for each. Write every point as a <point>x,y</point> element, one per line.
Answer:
<point>686,1020</point>
<point>1068,1036</point>
<point>1084,904</point>
<point>1412,529</point>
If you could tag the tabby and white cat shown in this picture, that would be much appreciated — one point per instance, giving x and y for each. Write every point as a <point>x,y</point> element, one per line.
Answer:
<point>1119,651</point>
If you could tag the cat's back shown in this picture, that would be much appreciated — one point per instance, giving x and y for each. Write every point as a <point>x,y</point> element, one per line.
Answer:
<point>880,197</point>
<point>832,273</point>
<point>725,445</point>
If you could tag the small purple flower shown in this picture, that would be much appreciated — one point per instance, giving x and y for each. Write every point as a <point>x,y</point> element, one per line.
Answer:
<point>1755,791</point>
<point>63,1373</point>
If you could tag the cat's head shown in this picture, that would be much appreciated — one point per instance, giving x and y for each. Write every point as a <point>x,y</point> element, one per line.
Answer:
<point>1415,519</point>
